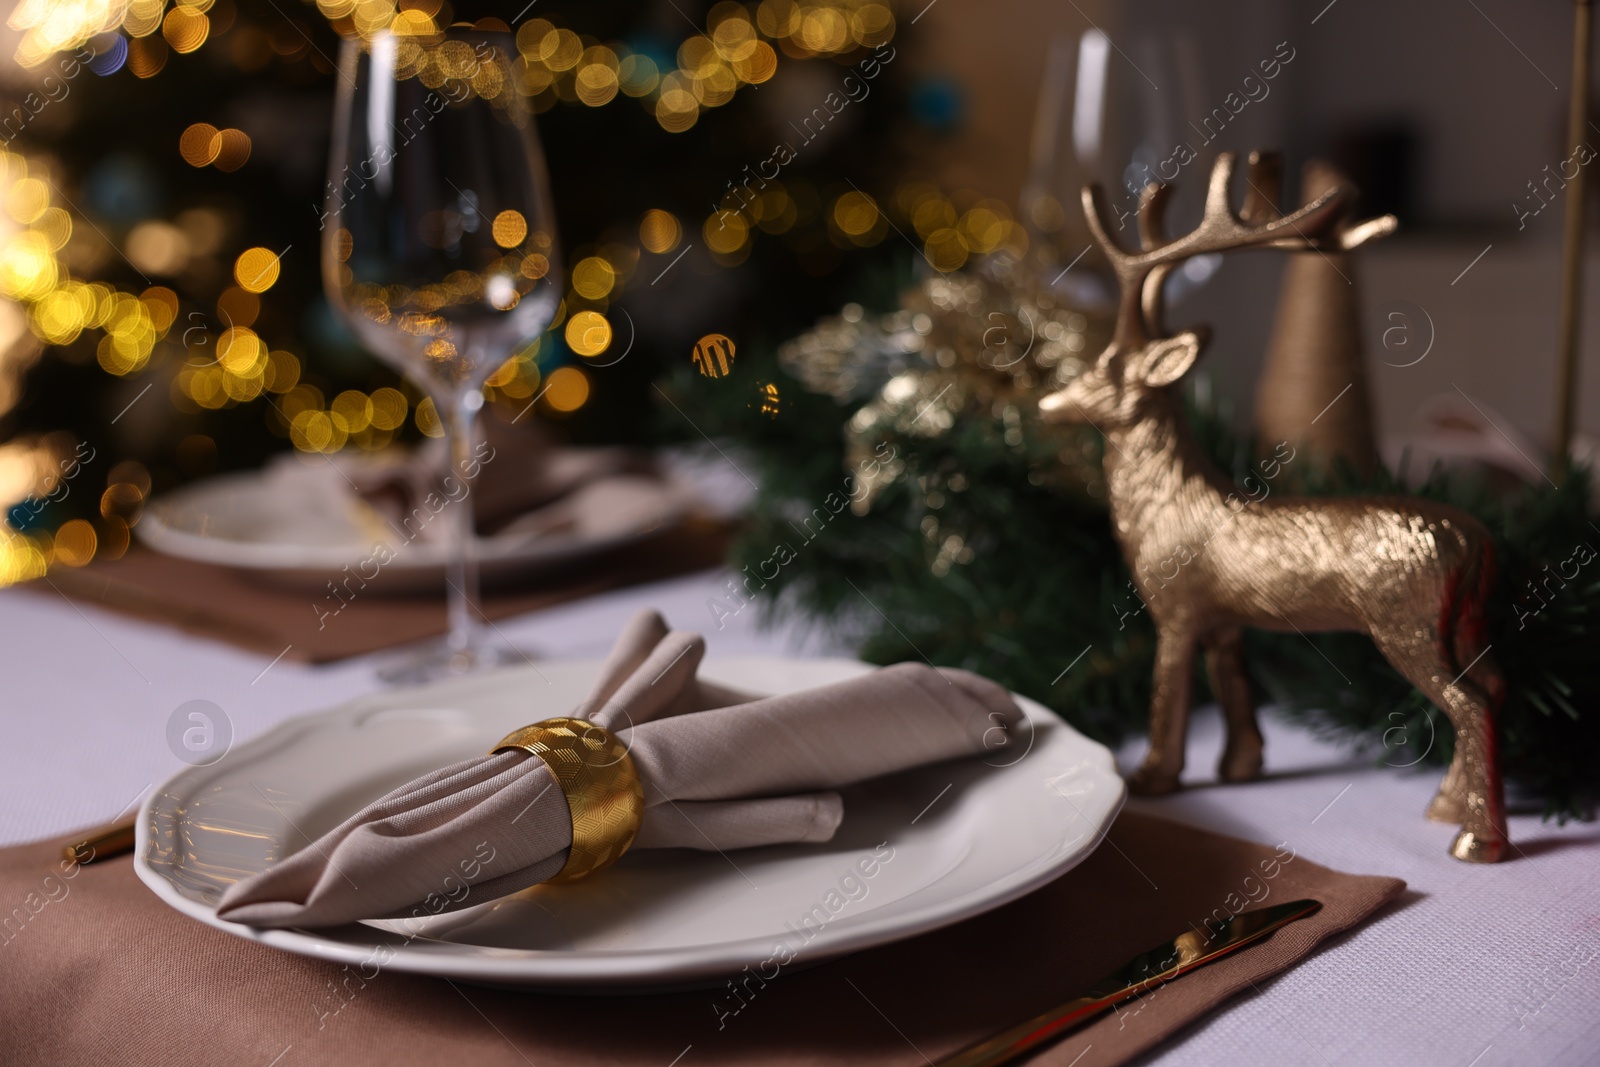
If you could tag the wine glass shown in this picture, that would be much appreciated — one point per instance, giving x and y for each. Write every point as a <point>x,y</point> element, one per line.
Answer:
<point>439,250</point>
<point>1118,117</point>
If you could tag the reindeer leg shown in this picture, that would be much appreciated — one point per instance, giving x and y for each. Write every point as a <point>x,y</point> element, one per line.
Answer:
<point>1449,804</point>
<point>1483,837</point>
<point>1241,757</point>
<point>1484,687</point>
<point>1169,713</point>
<point>1483,826</point>
<point>1471,711</point>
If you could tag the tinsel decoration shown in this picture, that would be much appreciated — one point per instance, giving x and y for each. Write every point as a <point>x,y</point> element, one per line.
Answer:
<point>966,352</point>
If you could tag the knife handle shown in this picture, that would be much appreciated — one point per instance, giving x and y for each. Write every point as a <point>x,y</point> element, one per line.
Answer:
<point>111,841</point>
<point>1142,973</point>
<point>1008,1045</point>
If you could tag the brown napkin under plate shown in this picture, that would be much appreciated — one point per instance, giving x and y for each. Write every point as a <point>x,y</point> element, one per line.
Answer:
<point>95,970</point>
<point>226,605</point>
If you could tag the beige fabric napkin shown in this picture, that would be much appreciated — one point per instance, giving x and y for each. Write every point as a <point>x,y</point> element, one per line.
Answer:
<point>720,770</point>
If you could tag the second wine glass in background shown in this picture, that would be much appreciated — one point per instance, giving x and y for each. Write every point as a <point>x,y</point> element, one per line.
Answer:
<point>439,251</point>
<point>1119,117</point>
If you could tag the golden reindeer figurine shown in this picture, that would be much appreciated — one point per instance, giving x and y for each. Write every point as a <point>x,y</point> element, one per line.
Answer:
<point>1412,574</point>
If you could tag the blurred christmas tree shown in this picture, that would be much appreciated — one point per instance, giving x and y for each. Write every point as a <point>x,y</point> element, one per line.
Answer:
<point>716,170</point>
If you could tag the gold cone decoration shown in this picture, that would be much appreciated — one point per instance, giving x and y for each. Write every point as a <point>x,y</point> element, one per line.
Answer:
<point>1313,390</point>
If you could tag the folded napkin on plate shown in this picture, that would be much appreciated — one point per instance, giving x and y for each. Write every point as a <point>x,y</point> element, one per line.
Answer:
<point>522,483</point>
<point>720,770</point>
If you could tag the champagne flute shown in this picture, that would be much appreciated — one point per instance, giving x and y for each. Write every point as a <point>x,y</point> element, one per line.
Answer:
<point>439,250</point>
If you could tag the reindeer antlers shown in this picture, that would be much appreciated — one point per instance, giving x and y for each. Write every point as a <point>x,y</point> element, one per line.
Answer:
<point>1321,224</point>
<point>1263,182</point>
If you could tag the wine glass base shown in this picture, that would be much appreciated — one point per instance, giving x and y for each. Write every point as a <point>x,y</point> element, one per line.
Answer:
<point>437,660</point>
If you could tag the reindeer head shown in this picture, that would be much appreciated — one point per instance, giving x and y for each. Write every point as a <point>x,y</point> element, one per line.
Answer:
<point>1117,392</point>
<point>1143,359</point>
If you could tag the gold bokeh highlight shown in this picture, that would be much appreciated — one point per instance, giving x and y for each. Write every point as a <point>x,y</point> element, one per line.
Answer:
<point>567,389</point>
<point>509,228</point>
<point>659,231</point>
<point>200,144</point>
<point>256,269</point>
<point>588,333</point>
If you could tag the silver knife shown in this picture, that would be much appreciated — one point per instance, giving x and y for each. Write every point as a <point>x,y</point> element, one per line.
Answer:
<point>1144,972</point>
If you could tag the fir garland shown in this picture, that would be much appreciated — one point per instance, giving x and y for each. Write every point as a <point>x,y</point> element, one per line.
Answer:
<point>1033,591</point>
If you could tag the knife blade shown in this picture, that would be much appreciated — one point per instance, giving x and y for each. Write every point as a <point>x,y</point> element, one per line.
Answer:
<point>1144,972</point>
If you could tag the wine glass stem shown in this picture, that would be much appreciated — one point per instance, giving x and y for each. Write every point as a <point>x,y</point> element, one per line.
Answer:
<point>461,573</point>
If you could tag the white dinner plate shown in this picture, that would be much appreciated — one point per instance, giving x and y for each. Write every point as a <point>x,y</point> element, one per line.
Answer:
<point>942,843</point>
<point>300,525</point>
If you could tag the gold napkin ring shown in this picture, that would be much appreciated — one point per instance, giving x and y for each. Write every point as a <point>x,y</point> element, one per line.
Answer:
<point>601,783</point>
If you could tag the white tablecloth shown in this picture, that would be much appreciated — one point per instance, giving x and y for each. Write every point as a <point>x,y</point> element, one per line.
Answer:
<point>1475,966</point>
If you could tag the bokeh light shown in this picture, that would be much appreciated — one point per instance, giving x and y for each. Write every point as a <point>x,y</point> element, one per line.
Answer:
<point>739,48</point>
<point>185,28</point>
<point>588,333</point>
<point>355,408</point>
<point>143,17</point>
<point>256,269</point>
<point>593,278</point>
<point>147,56</point>
<point>659,231</point>
<point>567,389</point>
<point>51,26</point>
<point>856,216</point>
<point>674,81</point>
<point>638,75</point>
<point>726,232</point>
<point>75,543</point>
<point>200,144</point>
<point>389,408</point>
<point>238,307</point>
<point>157,247</point>
<point>233,150</point>
<point>509,229</point>
<point>27,199</point>
<point>427,418</point>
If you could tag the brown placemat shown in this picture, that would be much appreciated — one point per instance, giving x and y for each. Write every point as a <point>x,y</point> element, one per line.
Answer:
<point>94,969</point>
<point>225,604</point>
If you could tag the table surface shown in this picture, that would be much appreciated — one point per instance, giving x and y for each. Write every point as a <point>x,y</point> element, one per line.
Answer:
<point>1474,966</point>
